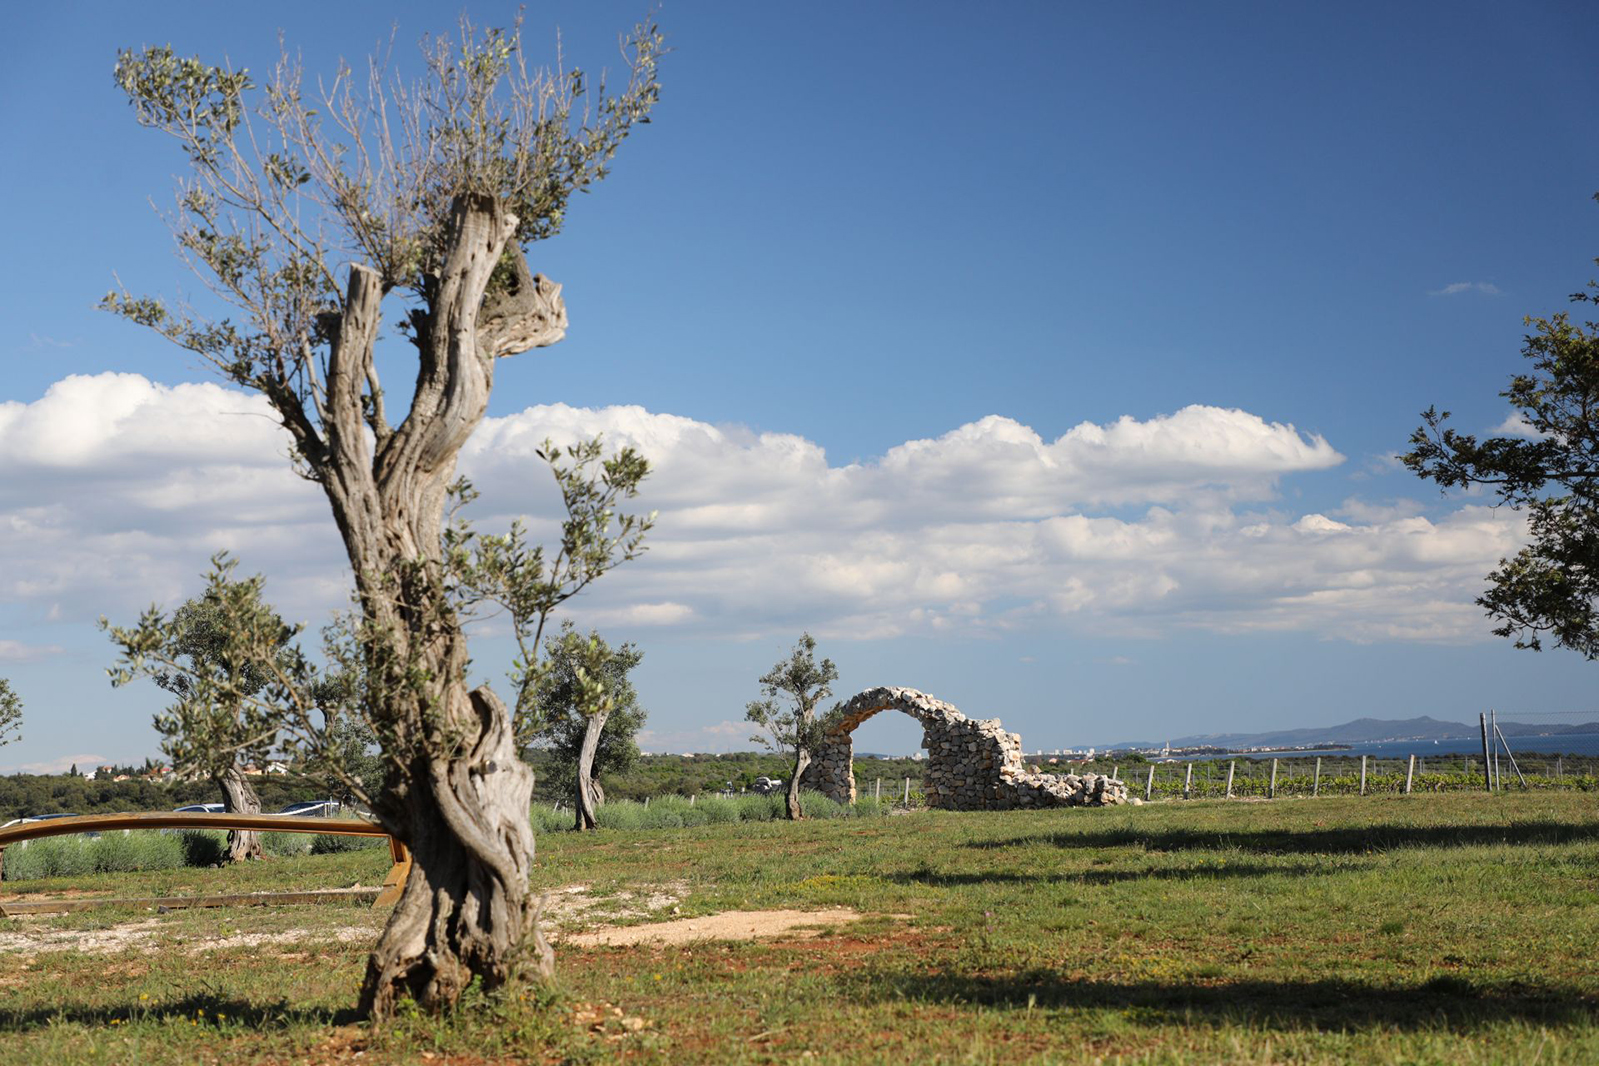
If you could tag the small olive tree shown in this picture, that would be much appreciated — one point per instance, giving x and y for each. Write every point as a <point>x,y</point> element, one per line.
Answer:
<point>587,714</point>
<point>225,646</point>
<point>10,713</point>
<point>429,191</point>
<point>802,683</point>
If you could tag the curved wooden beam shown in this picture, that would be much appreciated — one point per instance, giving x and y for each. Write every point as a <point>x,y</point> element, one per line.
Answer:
<point>270,823</point>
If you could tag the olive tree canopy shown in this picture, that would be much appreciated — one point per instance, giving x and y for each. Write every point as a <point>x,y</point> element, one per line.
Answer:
<point>1550,588</point>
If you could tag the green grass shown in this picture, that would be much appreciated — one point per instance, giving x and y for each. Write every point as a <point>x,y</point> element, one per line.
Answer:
<point>1448,928</point>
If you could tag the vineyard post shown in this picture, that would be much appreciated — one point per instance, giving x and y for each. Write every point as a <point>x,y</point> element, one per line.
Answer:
<point>1510,754</point>
<point>1271,790</point>
<point>1188,782</point>
<point>1363,775</point>
<point>1487,766</point>
<point>907,792</point>
<point>1315,782</point>
<point>878,795</point>
<point>1410,774</point>
<point>1499,779</point>
<point>1230,767</point>
<point>1149,786</point>
<point>1114,770</point>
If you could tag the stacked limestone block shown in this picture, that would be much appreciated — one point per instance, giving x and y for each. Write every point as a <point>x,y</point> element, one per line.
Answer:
<point>971,764</point>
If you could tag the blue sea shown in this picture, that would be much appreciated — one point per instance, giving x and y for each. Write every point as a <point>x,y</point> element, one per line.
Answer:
<point>1566,744</point>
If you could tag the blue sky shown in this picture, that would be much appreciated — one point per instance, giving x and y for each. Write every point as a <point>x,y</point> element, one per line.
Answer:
<point>855,227</point>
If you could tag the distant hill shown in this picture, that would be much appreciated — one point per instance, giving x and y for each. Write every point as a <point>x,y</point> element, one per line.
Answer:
<point>1363,731</point>
<point>1360,731</point>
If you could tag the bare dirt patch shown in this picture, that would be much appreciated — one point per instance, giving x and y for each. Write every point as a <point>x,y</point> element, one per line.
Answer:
<point>129,936</point>
<point>573,907</point>
<point>575,904</point>
<point>729,925</point>
<point>151,933</point>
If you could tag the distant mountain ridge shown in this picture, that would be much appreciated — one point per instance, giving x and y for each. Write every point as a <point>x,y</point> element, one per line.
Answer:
<point>1363,731</point>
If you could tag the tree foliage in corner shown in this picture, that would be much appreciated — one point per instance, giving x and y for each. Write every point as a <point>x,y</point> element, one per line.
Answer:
<point>1549,589</point>
<point>587,714</point>
<point>431,191</point>
<point>10,713</point>
<point>801,683</point>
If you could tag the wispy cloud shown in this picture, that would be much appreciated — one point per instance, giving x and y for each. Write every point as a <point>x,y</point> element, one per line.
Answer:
<point>84,763</point>
<point>39,342</point>
<point>726,735</point>
<point>1516,425</point>
<point>14,651</point>
<point>1487,288</point>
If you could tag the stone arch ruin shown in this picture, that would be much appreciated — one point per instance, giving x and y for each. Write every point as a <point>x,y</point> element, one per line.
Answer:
<point>972,764</point>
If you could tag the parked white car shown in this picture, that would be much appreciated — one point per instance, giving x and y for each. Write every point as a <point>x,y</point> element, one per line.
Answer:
<point>312,809</point>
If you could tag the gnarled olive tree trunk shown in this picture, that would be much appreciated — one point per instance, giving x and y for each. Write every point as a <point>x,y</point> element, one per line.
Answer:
<point>802,759</point>
<point>458,795</point>
<point>238,797</point>
<point>589,794</point>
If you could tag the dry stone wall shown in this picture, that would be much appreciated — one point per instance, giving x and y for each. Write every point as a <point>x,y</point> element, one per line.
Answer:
<point>972,764</point>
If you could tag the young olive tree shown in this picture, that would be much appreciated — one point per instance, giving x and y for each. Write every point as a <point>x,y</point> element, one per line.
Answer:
<point>225,646</point>
<point>10,713</point>
<point>802,683</point>
<point>430,191</point>
<point>1550,588</point>
<point>587,714</point>
<point>247,693</point>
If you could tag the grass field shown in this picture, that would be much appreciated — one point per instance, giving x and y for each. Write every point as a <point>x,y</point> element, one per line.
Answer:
<point>1439,928</point>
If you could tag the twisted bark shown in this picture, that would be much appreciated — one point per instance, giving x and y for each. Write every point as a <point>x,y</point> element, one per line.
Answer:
<point>791,801</point>
<point>458,795</point>
<point>589,794</point>
<point>238,797</point>
<point>466,910</point>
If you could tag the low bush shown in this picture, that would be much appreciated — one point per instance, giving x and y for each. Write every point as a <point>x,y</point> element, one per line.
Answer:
<point>202,847</point>
<point>286,844</point>
<point>676,812</point>
<point>337,843</point>
<point>549,820</point>
<point>69,856</point>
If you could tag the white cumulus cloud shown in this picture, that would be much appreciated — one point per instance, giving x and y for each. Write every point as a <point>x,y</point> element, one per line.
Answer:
<point>117,489</point>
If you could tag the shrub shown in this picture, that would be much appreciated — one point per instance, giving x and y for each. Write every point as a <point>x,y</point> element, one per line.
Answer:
<point>816,805</point>
<point>74,856</point>
<point>203,847</point>
<point>677,812</point>
<point>754,807</point>
<point>285,844</point>
<point>549,820</point>
<point>718,810</point>
<point>337,843</point>
<point>622,814</point>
